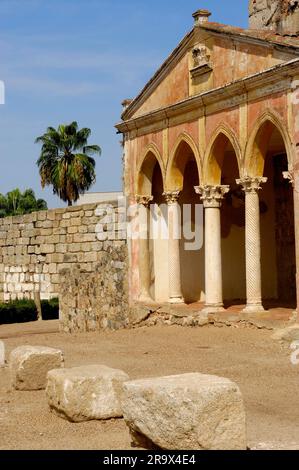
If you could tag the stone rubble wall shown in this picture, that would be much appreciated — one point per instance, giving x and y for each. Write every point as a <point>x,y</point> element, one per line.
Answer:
<point>281,16</point>
<point>88,242</point>
<point>97,300</point>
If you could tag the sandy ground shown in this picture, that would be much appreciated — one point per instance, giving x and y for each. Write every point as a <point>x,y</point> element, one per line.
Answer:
<point>260,367</point>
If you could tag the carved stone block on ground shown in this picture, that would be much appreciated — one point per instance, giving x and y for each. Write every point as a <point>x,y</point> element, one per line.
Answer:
<point>287,335</point>
<point>190,412</point>
<point>86,393</point>
<point>29,366</point>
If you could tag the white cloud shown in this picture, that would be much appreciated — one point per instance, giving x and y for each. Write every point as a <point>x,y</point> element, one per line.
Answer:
<point>35,68</point>
<point>27,84</point>
<point>108,60</point>
<point>12,4</point>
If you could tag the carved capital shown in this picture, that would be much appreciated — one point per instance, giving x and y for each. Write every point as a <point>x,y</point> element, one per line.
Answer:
<point>289,175</point>
<point>251,185</point>
<point>212,196</point>
<point>172,196</point>
<point>144,200</point>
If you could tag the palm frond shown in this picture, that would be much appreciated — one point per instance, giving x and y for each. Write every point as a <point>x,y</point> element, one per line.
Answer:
<point>92,149</point>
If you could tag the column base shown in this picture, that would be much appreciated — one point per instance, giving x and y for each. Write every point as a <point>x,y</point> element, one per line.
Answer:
<point>213,309</point>
<point>253,308</point>
<point>176,300</point>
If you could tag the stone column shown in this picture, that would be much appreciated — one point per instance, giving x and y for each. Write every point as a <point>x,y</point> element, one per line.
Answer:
<point>174,230</point>
<point>144,251</point>
<point>252,186</point>
<point>294,181</point>
<point>212,197</point>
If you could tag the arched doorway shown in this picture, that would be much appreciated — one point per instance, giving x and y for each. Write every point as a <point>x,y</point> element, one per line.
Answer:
<point>150,253</point>
<point>233,232</point>
<point>158,242</point>
<point>278,261</point>
<point>182,176</point>
<point>222,170</point>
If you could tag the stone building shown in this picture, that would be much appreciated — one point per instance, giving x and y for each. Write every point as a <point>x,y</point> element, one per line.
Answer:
<point>281,16</point>
<point>218,125</point>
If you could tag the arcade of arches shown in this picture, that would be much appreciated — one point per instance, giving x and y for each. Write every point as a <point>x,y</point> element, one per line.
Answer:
<point>247,254</point>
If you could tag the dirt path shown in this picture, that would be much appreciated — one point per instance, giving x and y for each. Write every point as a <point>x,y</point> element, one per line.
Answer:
<point>261,368</point>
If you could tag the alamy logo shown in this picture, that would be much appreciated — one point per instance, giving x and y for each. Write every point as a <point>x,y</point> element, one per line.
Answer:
<point>295,355</point>
<point>156,222</point>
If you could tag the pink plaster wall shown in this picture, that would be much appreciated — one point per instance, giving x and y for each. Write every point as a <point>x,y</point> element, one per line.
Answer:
<point>228,117</point>
<point>190,128</point>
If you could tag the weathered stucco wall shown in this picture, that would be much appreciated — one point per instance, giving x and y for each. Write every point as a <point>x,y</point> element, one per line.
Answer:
<point>231,60</point>
<point>35,248</point>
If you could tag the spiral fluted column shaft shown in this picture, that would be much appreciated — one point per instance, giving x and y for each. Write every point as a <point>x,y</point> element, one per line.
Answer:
<point>174,263</point>
<point>252,186</point>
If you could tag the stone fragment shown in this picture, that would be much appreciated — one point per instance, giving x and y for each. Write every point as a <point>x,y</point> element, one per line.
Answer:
<point>29,366</point>
<point>86,393</point>
<point>140,313</point>
<point>287,335</point>
<point>185,412</point>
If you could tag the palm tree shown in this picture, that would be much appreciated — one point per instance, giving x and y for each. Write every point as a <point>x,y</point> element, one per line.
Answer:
<point>17,203</point>
<point>65,161</point>
<point>29,203</point>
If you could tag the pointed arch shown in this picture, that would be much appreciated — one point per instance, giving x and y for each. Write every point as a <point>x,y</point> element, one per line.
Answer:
<point>258,141</point>
<point>180,155</point>
<point>150,157</point>
<point>222,137</point>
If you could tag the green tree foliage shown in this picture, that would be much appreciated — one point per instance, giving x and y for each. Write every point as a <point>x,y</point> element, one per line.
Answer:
<point>66,161</point>
<point>17,203</point>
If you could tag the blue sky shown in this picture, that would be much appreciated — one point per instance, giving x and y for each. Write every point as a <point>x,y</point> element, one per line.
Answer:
<point>65,60</point>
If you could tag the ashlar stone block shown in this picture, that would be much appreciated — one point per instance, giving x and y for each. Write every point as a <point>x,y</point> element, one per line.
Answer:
<point>185,412</point>
<point>29,366</point>
<point>86,393</point>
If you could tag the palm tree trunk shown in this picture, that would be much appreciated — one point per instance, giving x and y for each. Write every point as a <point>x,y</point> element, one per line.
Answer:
<point>69,203</point>
<point>38,305</point>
